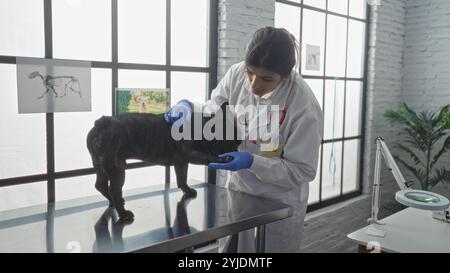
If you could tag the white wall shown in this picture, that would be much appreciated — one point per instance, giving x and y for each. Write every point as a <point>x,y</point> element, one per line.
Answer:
<point>426,82</point>
<point>384,79</point>
<point>238,20</point>
<point>426,71</point>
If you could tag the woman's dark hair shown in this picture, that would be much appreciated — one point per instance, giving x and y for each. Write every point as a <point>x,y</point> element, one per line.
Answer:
<point>273,49</point>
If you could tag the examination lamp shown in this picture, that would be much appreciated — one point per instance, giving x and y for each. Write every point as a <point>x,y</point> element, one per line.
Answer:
<point>407,196</point>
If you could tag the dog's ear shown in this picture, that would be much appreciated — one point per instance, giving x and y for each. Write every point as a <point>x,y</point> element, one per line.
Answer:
<point>224,105</point>
<point>226,113</point>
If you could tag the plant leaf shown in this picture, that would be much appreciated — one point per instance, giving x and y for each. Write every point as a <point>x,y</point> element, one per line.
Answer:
<point>417,122</point>
<point>397,117</point>
<point>417,126</point>
<point>418,173</point>
<point>442,175</point>
<point>418,139</point>
<point>436,135</point>
<point>445,147</point>
<point>414,157</point>
<point>443,118</point>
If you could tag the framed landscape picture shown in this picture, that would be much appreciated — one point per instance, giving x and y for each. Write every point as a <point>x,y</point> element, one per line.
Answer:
<point>142,100</point>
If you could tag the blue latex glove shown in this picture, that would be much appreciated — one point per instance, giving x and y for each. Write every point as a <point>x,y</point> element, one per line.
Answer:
<point>242,160</point>
<point>183,109</point>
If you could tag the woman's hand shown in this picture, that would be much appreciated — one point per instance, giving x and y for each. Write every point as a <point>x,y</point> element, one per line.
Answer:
<point>183,109</point>
<point>240,160</point>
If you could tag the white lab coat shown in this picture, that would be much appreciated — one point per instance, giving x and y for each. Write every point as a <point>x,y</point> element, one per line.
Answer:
<point>285,178</point>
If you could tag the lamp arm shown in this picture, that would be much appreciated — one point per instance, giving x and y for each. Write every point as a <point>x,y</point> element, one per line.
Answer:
<point>390,162</point>
<point>383,151</point>
<point>376,186</point>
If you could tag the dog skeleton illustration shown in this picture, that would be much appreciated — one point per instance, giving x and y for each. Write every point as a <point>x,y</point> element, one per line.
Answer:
<point>49,82</point>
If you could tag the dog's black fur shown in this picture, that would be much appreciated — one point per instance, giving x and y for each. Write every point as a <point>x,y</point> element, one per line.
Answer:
<point>147,137</point>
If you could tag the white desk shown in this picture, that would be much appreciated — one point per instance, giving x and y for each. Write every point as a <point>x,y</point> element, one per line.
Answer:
<point>410,230</point>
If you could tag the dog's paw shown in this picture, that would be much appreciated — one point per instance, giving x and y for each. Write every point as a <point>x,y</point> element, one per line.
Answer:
<point>224,159</point>
<point>126,216</point>
<point>190,193</point>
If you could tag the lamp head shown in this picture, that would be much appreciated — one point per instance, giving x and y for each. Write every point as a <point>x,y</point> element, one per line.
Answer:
<point>419,199</point>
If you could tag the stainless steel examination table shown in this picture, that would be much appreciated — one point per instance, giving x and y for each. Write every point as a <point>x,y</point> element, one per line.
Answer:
<point>164,221</point>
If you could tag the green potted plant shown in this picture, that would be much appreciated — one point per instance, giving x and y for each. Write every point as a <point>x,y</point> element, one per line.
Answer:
<point>420,135</point>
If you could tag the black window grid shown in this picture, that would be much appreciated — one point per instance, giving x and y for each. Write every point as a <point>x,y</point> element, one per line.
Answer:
<point>51,175</point>
<point>342,196</point>
<point>114,65</point>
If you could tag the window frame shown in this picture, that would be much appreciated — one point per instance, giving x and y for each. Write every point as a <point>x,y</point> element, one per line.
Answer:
<point>361,136</point>
<point>211,69</point>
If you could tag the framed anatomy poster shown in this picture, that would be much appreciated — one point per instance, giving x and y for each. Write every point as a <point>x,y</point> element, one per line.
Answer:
<point>47,85</point>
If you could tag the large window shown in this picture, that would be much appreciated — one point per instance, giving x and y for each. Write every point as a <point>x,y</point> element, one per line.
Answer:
<point>131,44</point>
<point>332,35</point>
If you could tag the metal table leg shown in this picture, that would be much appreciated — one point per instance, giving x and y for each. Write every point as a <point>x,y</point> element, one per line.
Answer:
<point>260,239</point>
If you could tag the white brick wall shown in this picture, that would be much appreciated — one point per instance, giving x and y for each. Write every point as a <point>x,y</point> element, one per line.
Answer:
<point>384,79</point>
<point>426,75</point>
<point>238,20</point>
<point>426,83</point>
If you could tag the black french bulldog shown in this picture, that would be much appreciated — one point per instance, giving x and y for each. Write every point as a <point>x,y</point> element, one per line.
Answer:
<point>148,137</point>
